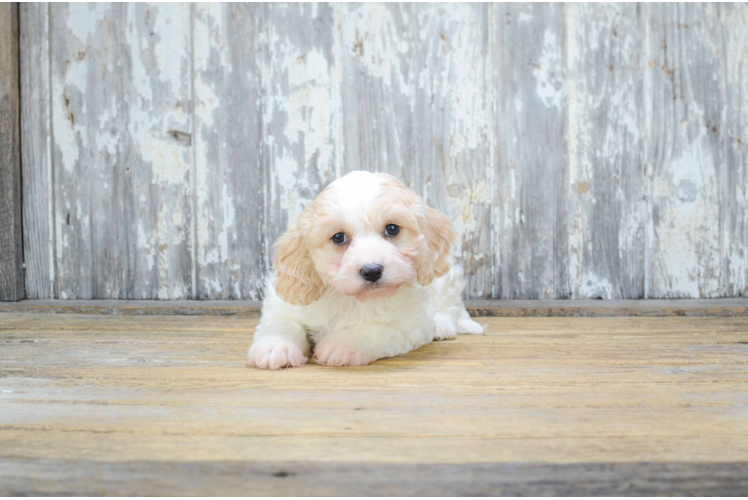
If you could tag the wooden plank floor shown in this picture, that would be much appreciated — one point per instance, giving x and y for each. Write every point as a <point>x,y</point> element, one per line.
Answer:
<point>499,308</point>
<point>159,405</point>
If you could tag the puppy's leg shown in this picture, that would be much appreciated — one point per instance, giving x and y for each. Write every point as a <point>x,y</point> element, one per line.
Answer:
<point>340,350</point>
<point>278,344</point>
<point>367,344</point>
<point>447,295</point>
<point>444,327</point>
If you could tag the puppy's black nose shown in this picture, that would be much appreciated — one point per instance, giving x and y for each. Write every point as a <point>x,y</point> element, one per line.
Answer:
<point>371,272</point>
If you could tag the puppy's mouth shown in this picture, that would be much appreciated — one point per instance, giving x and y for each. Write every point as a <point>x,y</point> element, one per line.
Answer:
<point>376,291</point>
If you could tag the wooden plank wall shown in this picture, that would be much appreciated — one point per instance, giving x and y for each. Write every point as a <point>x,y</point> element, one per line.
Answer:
<point>11,250</point>
<point>582,151</point>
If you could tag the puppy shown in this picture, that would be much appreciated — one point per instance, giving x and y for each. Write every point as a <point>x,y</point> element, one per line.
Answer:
<point>363,273</point>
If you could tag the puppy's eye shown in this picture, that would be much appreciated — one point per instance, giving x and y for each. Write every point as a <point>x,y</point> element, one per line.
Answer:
<point>391,230</point>
<point>339,238</point>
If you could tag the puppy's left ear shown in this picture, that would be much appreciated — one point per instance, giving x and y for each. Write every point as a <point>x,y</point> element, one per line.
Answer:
<point>296,279</point>
<point>440,236</point>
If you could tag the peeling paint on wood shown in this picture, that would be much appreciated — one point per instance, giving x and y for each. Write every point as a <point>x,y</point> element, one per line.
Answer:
<point>417,104</point>
<point>229,175</point>
<point>735,211</point>
<point>301,111</point>
<point>156,190</point>
<point>120,84</point>
<point>581,151</point>
<point>608,211</point>
<point>684,149</point>
<point>532,163</point>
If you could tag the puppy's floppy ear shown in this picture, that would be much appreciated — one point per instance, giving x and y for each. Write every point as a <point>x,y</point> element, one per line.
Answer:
<point>440,236</point>
<point>441,239</point>
<point>296,279</point>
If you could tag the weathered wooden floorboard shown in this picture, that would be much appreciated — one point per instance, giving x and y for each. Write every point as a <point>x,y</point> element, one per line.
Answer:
<point>11,239</point>
<point>253,478</point>
<point>165,405</point>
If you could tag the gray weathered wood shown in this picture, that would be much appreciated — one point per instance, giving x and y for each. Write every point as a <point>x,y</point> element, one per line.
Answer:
<point>529,53</point>
<point>301,138</point>
<point>684,149</point>
<point>89,148</point>
<point>121,118</point>
<point>417,103</point>
<point>58,477</point>
<point>36,154</point>
<point>229,176</point>
<point>581,151</point>
<point>11,243</point>
<point>607,188</point>
<point>156,167</point>
<point>735,211</point>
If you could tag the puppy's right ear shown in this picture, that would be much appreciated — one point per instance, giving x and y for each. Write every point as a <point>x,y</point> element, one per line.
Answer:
<point>296,279</point>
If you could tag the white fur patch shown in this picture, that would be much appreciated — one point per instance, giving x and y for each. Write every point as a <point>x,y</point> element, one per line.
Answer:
<point>275,352</point>
<point>331,351</point>
<point>444,327</point>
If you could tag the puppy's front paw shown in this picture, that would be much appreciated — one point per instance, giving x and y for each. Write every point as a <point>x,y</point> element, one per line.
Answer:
<point>333,353</point>
<point>274,353</point>
<point>444,327</point>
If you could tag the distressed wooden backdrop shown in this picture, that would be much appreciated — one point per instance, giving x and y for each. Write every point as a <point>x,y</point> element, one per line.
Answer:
<point>582,151</point>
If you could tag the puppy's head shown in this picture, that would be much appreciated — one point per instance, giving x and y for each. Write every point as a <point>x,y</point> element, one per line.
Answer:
<point>364,236</point>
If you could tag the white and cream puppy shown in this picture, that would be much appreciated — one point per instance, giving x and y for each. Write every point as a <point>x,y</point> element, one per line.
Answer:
<point>363,273</point>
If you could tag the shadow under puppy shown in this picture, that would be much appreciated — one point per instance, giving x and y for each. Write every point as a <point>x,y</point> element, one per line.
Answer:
<point>363,273</point>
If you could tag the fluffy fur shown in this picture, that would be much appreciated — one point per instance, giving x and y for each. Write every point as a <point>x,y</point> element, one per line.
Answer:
<point>317,303</point>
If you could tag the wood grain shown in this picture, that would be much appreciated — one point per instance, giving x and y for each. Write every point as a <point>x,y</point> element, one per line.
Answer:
<point>300,113</point>
<point>532,165</point>
<point>417,103</point>
<point>157,164</point>
<point>589,401</point>
<point>88,139</point>
<point>684,150</point>
<point>607,183</point>
<point>250,478</point>
<point>580,152</point>
<point>735,221</point>
<point>476,308</point>
<point>11,241</point>
<point>121,115</point>
<point>229,174</point>
<point>36,153</point>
